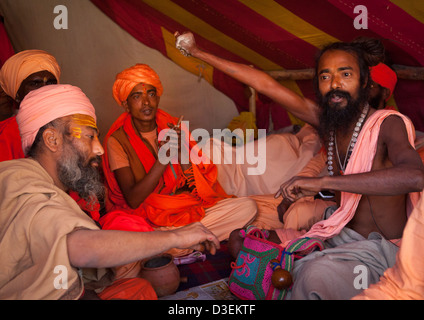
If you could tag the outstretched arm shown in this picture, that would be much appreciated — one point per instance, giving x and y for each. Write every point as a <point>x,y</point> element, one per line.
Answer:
<point>302,108</point>
<point>110,248</point>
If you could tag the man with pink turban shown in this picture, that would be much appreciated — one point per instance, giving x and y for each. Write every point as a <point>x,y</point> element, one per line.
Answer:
<point>49,248</point>
<point>167,195</point>
<point>23,72</point>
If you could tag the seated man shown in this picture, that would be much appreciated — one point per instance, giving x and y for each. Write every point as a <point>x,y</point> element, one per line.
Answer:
<point>166,195</point>
<point>372,167</point>
<point>49,248</point>
<point>302,214</point>
<point>23,72</point>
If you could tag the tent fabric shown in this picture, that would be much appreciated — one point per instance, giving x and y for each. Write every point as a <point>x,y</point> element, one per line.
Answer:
<point>6,49</point>
<point>277,35</point>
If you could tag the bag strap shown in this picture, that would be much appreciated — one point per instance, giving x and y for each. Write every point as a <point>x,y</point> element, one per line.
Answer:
<point>254,231</point>
<point>297,248</point>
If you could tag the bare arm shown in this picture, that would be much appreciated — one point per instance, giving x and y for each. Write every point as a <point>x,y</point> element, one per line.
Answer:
<point>302,108</point>
<point>136,192</point>
<point>109,248</point>
<point>404,176</point>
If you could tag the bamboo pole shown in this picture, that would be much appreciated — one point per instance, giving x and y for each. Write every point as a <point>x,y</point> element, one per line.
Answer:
<point>403,72</point>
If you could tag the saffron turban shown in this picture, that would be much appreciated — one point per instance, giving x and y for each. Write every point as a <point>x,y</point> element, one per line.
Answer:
<point>126,81</point>
<point>21,65</point>
<point>49,103</point>
<point>384,76</point>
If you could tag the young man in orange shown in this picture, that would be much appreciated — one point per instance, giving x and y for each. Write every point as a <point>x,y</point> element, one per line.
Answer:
<point>141,187</point>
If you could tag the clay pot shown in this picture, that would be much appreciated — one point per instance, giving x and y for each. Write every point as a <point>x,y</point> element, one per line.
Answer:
<point>162,273</point>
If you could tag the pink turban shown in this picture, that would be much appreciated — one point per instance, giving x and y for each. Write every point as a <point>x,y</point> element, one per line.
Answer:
<point>49,103</point>
<point>384,76</point>
<point>21,65</point>
<point>129,78</point>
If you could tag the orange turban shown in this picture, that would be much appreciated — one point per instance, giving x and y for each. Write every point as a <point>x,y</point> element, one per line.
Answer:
<point>49,103</point>
<point>384,76</point>
<point>129,78</point>
<point>21,65</point>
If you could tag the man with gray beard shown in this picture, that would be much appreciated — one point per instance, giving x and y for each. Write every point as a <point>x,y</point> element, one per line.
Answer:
<point>49,248</point>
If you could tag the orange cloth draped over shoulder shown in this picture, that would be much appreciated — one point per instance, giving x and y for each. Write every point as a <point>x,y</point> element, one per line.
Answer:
<point>162,208</point>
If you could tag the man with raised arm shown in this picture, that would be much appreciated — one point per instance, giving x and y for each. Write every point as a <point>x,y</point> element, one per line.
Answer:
<point>372,167</point>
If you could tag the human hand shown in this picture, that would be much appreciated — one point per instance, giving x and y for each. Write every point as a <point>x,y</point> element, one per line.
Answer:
<point>177,138</point>
<point>196,236</point>
<point>185,43</point>
<point>298,187</point>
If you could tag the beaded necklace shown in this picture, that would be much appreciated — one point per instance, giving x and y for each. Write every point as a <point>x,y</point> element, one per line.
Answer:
<point>332,143</point>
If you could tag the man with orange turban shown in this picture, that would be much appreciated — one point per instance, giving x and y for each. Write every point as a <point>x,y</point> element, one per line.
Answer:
<point>23,72</point>
<point>165,195</point>
<point>49,248</point>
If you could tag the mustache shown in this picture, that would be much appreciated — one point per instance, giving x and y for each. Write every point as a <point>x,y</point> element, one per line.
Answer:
<point>97,160</point>
<point>337,92</point>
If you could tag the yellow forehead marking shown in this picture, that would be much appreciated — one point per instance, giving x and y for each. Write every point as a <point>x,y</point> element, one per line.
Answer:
<point>84,120</point>
<point>76,132</point>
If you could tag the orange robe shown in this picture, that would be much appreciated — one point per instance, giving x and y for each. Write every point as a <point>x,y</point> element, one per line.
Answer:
<point>161,208</point>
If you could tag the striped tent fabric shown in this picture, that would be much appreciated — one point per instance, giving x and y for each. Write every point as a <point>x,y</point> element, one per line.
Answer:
<point>6,49</point>
<point>278,35</point>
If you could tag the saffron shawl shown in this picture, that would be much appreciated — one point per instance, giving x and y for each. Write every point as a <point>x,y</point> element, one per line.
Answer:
<point>161,207</point>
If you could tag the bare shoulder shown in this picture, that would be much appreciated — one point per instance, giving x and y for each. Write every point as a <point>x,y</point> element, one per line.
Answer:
<point>393,130</point>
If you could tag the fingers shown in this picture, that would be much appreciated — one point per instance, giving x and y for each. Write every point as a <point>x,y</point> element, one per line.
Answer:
<point>208,246</point>
<point>196,236</point>
<point>278,193</point>
<point>183,42</point>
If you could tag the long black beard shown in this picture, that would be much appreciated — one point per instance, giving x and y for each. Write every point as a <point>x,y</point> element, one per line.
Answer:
<point>333,117</point>
<point>83,179</point>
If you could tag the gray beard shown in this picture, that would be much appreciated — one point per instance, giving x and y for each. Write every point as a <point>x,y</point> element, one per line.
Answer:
<point>82,179</point>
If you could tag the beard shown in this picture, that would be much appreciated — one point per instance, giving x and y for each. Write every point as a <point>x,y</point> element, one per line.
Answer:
<point>82,178</point>
<point>334,117</point>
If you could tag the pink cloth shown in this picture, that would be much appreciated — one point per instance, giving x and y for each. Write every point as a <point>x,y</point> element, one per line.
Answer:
<point>21,65</point>
<point>46,104</point>
<point>360,161</point>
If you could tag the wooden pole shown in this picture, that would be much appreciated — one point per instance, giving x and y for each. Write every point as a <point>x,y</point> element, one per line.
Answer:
<point>403,72</point>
